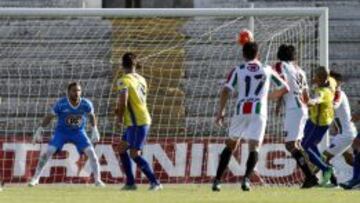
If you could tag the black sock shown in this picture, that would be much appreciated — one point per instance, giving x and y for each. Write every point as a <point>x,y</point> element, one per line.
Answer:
<point>302,163</point>
<point>223,163</point>
<point>333,179</point>
<point>251,163</point>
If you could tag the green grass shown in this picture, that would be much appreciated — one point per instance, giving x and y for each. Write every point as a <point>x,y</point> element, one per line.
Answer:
<point>173,194</point>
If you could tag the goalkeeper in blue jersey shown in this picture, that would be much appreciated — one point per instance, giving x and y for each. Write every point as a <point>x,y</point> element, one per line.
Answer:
<point>72,112</point>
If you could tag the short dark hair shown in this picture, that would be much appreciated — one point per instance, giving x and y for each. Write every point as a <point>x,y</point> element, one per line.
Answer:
<point>291,51</point>
<point>286,52</point>
<point>72,84</point>
<point>322,72</point>
<point>129,60</point>
<point>250,50</point>
<point>282,53</point>
<point>337,76</point>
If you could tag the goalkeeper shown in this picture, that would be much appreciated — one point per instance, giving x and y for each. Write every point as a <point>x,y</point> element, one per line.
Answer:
<point>72,112</point>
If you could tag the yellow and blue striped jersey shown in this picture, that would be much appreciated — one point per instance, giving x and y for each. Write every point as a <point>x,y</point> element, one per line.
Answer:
<point>136,113</point>
<point>323,113</point>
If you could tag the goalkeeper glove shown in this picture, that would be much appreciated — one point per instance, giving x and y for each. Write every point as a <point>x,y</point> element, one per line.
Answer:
<point>95,135</point>
<point>37,135</point>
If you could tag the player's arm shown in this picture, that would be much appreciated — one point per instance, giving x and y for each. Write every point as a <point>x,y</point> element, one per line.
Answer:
<point>225,92</point>
<point>281,86</point>
<point>355,117</point>
<point>95,135</point>
<point>279,103</point>
<point>39,131</point>
<point>318,99</point>
<point>224,95</point>
<point>122,101</point>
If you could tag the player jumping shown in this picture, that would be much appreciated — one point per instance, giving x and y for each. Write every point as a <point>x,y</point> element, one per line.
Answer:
<point>296,111</point>
<point>72,112</point>
<point>133,113</point>
<point>251,80</point>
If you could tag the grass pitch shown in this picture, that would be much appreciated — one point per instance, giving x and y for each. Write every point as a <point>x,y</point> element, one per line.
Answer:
<point>173,194</point>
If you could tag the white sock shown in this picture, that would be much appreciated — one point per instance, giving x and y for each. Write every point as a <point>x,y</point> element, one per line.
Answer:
<point>44,158</point>
<point>94,163</point>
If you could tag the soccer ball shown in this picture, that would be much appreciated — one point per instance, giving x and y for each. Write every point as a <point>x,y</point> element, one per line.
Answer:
<point>244,37</point>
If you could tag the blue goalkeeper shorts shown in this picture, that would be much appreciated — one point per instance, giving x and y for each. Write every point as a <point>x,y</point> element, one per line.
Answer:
<point>78,138</point>
<point>136,136</point>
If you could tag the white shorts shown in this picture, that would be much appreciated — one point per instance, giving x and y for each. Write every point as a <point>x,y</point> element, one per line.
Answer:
<point>294,124</point>
<point>342,142</point>
<point>249,127</point>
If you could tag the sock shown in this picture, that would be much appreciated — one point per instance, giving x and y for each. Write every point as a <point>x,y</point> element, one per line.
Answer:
<point>302,163</point>
<point>126,164</point>
<point>94,163</point>
<point>223,163</point>
<point>251,163</point>
<point>315,158</point>
<point>333,179</point>
<point>145,168</point>
<point>43,160</point>
<point>356,167</point>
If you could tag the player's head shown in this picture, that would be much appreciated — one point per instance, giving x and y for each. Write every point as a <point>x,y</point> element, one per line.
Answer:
<point>282,53</point>
<point>74,91</point>
<point>129,61</point>
<point>338,77</point>
<point>250,51</point>
<point>286,52</point>
<point>321,76</point>
<point>291,52</point>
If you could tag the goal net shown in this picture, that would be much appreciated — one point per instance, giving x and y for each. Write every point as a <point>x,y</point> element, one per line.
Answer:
<point>185,55</point>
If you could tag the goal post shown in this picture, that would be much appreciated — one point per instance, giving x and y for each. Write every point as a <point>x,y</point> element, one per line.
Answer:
<point>185,55</point>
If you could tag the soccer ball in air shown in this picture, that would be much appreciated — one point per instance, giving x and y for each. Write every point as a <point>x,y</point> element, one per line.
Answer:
<point>244,37</point>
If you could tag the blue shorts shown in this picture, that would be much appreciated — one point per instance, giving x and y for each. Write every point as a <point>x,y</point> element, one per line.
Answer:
<point>136,136</point>
<point>313,134</point>
<point>358,136</point>
<point>78,138</point>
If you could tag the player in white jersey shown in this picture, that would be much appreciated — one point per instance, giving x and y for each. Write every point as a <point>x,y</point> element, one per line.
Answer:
<point>346,128</point>
<point>251,80</point>
<point>296,111</point>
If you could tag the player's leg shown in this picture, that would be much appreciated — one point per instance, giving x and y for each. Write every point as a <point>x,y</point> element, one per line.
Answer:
<point>230,146</point>
<point>126,161</point>
<point>348,157</point>
<point>313,134</point>
<point>235,132</point>
<point>56,144</point>
<point>136,145</point>
<point>294,125</point>
<point>254,135</point>
<point>83,145</point>
<point>355,180</point>
<point>250,163</point>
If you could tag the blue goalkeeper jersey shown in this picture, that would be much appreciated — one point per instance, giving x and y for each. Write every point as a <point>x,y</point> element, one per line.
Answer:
<point>72,118</point>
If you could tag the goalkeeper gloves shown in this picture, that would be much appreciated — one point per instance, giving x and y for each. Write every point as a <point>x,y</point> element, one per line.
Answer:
<point>95,135</point>
<point>37,135</point>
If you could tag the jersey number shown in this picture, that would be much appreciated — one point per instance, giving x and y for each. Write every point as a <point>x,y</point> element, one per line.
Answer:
<point>260,78</point>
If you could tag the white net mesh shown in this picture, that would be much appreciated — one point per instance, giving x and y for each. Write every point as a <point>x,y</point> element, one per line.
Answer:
<point>184,59</point>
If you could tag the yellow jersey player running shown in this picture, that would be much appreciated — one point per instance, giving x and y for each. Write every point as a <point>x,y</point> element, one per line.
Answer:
<point>321,115</point>
<point>132,112</point>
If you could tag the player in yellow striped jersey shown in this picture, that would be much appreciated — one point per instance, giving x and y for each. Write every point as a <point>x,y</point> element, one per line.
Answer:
<point>321,115</point>
<point>133,113</point>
